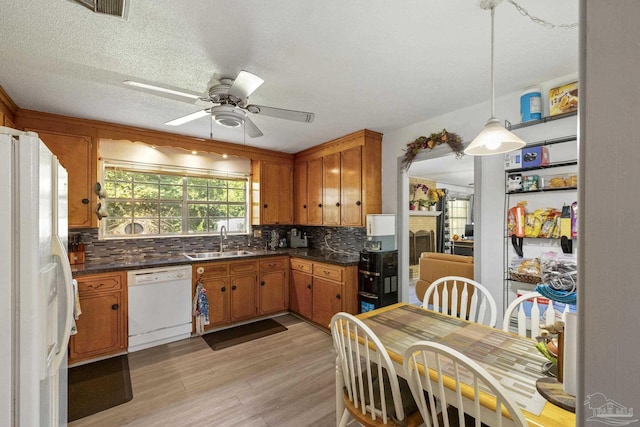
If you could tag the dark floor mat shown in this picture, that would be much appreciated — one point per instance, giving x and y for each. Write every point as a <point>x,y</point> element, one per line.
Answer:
<point>243,333</point>
<point>97,386</point>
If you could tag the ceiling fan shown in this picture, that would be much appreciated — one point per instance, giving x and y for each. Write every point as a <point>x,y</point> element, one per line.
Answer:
<point>230,97</point>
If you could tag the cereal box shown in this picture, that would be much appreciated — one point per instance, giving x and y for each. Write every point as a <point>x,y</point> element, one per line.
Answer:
<point>563,99</point>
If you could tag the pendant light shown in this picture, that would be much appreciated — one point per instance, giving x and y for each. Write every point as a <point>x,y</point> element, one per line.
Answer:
<point>494,138</point>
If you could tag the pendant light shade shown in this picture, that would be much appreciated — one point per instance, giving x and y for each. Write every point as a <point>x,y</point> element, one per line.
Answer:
<point>494,138</point>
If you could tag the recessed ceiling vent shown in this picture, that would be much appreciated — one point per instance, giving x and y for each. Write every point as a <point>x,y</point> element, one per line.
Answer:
<point>108,7</point>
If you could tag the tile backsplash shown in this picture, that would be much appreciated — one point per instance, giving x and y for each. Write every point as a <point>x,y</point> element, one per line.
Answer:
<point>343,239</point>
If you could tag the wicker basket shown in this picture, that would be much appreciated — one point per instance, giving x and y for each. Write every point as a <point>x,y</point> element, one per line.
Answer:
<point>525,278</point>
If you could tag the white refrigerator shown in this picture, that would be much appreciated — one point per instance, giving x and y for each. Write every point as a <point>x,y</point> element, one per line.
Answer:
<point>36,291</point>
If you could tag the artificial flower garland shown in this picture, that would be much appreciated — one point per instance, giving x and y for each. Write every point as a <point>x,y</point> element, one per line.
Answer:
<point>452,139</point>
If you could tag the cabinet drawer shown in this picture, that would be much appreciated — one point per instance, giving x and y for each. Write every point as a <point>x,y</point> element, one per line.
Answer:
<point>218,269</point>
<point>327,271</point>
<point>242,267</point>
<point>273,264</point>
<point>99,284</point>
<point>301,265</point>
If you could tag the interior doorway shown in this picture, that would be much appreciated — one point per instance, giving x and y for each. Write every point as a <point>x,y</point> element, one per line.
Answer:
<point>441,229</point>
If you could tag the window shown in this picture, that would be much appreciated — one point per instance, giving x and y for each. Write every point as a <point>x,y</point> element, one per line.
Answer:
<point>161,204</point>
<point>458,215</point>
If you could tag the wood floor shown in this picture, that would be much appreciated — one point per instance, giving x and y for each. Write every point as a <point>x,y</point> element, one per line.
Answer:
<point>286,379</point>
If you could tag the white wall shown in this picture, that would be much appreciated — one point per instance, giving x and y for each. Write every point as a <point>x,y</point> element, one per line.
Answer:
<point>489,181</point>
<point>609,296</point>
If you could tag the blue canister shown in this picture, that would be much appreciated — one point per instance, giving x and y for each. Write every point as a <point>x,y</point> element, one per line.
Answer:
<point>531,105</point>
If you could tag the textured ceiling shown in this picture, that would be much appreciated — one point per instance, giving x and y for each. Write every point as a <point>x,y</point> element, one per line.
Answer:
<point>356,64</point>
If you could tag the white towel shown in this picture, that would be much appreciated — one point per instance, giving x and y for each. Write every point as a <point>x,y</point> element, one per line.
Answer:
<point>77,311</point>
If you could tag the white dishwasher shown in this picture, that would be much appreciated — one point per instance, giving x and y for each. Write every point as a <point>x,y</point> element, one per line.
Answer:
<point>159,306</point>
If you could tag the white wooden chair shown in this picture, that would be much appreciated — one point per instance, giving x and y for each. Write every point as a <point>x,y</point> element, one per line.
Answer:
<point>529,314</point>
<point>463,298</point>
<point>456,383</point>
<point>373,394</point>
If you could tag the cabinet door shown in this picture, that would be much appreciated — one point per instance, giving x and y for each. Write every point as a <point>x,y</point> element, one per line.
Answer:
<point>327,300</point>
<point>218,293</point>
<point>244,303</point>
<point>273,292</point>
<point>300,193</point>
<point>300,295</point>
<point>351,187</point>
<point>98,327</point>
<point>331,189</point>
<point>314,191</point>
<point>74,153</point>
<point>277,193</point>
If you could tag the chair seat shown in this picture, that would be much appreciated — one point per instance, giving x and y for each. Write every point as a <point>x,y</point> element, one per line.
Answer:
<point>408,403</point>
<point>413,419</point>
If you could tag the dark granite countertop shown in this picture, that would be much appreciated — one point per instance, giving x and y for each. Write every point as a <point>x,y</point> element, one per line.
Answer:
<point>141,262</point>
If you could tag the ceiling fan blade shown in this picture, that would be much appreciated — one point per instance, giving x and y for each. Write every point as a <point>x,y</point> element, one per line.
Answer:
<point>170,91</point>
<point>280,113</point>
<point>189,117</point>
<point>245,84</point>
<point>251,128</point>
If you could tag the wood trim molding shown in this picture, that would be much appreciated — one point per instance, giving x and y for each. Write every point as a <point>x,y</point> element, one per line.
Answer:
<point>7,101</point>
<point>339,144</point>
<point>98,129</point>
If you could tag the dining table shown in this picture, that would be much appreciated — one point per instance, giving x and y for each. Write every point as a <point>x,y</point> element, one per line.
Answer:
<point>512,359</point>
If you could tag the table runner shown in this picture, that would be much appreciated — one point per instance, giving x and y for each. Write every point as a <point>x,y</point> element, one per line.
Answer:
<point>513,360</point>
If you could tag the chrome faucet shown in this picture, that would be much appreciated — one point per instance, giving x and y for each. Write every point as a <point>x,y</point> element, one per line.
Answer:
<point>223,235</point>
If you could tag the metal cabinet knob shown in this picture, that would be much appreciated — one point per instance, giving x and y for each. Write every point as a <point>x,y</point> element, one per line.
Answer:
<point>262,283</point>
<point>234,287</point>
<point>115,307</point>
<point>309,286</point>
<point>223,289</point>
<point>338,296</point>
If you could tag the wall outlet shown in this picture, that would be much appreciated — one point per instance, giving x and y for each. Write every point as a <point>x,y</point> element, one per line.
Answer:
<point>257,233</point>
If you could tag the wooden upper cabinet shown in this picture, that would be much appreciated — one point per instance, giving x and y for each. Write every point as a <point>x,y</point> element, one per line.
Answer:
<point>351,187</point>
<point>314,191</point>
<point>272,193</point>
<point>344,179</point>
<point>301,208</point>
<point>331,189</point>
<point>76,154</point>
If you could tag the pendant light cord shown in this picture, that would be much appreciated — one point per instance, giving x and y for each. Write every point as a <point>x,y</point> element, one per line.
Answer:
<point>493,79</point>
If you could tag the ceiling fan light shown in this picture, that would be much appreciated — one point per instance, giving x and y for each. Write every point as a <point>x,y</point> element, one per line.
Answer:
<point>494,139</point>
<point>229,120</point>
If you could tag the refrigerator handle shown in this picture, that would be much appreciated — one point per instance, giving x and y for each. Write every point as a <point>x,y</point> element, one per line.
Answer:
<point>60,251</point>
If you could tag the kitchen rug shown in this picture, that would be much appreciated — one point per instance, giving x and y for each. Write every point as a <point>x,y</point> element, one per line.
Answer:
<point>97,386</point>
<point>243,333</point>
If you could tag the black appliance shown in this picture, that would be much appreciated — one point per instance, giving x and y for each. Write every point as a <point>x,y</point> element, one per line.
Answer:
<point>378,279</point>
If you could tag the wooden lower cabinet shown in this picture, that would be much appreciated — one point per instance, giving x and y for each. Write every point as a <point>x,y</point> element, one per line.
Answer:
<point>327,300</point>
<point>319,290</point>
<point>242,290</point>
<point>273,293</point>
<point>243,297</point>
<point>102,326</point>
<point>301,294</point>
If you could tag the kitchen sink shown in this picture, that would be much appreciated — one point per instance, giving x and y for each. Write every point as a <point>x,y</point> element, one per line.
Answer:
<point>217,255</point>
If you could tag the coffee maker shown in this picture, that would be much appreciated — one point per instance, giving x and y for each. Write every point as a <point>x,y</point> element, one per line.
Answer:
<point>381,232</point>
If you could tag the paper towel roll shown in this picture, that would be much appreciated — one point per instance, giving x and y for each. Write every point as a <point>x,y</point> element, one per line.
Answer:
<point>570,353</point>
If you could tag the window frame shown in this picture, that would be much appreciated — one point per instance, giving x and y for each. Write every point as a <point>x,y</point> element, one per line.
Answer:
<point>185,201</point>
